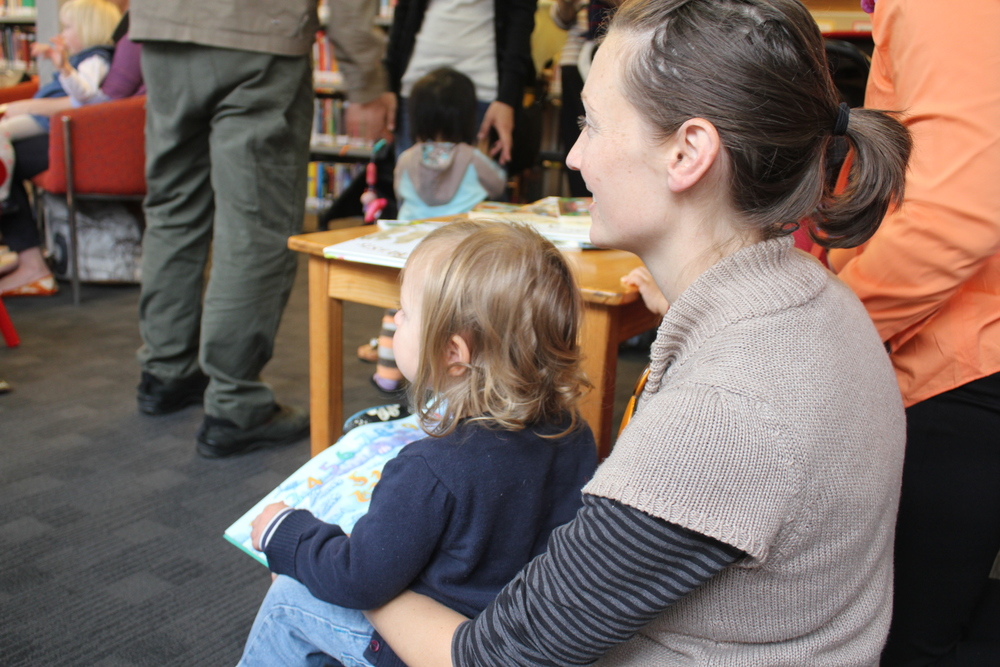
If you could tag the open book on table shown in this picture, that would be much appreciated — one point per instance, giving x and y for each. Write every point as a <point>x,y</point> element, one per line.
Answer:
<point>390,246</point>
<point>336,484</point>
<point>563,220</point>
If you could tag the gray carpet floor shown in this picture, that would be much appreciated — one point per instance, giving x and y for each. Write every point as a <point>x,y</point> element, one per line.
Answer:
<point>111,548</point>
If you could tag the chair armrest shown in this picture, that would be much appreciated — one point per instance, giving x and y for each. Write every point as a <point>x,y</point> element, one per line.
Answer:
<point>108,148</point>
<point>21,91</point>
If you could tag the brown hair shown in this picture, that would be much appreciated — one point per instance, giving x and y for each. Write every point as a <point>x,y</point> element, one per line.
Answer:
<point>510,294</point>
<point>756,69</point>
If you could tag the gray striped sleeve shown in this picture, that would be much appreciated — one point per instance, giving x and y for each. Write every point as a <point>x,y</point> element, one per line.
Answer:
<point>606,574</point>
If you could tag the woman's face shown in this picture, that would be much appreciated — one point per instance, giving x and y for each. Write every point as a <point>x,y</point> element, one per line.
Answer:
<point>620,161</point>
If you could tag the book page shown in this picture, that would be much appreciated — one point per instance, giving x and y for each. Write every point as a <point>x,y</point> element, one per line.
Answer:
<point>336,484</point>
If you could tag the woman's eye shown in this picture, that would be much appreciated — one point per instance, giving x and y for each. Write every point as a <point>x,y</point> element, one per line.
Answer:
<point>581,121</point>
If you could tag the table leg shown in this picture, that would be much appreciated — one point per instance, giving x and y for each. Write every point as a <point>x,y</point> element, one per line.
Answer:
<point>599,344</point>
<point>604,327</point>
<point>326,361</point>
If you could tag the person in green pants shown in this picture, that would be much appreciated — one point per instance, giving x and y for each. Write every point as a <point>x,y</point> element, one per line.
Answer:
<point>229,111</point>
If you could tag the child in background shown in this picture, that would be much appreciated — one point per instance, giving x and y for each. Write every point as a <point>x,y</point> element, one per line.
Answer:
<point>487,336</point>
<point>441,174</point>
<point>81,54</point>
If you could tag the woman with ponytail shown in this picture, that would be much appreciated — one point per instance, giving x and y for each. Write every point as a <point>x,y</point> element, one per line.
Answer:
<point>746,514</point>
<point>930,279</point>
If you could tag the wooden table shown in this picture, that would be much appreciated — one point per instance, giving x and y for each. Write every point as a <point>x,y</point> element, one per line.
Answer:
<point>612,314</point>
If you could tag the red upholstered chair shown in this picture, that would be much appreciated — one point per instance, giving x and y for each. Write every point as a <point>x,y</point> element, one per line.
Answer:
<point>7,329</point>
<point>96,152</point>
<point>20,91</point>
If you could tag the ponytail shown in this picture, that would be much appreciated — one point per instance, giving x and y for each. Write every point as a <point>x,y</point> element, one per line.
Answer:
<point>876,174</point>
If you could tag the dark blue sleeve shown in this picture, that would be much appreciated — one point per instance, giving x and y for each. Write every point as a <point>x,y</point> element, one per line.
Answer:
<point>389,548</point>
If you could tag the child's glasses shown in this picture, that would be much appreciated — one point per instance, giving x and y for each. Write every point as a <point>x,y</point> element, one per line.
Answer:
<point>640,385</point>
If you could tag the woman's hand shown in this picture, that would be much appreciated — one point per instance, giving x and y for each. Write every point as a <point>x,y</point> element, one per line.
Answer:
<point>500,117</point>
<point>260,523</point>
<point>642,279</point>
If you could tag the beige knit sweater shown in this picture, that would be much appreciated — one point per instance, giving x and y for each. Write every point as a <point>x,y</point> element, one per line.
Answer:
<point>771,421</point>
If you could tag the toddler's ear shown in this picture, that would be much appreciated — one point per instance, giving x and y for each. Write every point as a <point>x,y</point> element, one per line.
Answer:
<point>457,355</point>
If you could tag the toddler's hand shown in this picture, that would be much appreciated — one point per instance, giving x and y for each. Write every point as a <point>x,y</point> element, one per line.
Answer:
<point>260,523</point>
<point>41,50</point>
<point>55,51</point>
<point>642,279</point>
<point>59,54</point>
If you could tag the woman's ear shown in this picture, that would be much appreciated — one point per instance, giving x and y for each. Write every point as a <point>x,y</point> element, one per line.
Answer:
<point>691,152</point>
<point>457,355</point>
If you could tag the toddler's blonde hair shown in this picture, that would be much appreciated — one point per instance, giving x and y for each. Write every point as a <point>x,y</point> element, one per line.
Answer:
<point>95,20</point>
<point>509,293</point>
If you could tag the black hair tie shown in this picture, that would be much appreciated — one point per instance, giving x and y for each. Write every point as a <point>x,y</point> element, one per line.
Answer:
<point>843,117</point>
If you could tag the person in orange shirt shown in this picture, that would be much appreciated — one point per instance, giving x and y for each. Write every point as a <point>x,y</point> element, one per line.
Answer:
<point>930,278</point>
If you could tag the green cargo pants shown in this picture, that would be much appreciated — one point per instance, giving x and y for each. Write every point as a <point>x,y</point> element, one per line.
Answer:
<point>227,144</point>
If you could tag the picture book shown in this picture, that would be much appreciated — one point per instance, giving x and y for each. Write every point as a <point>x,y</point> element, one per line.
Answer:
<point>390,246</point>
<point>575,210</point>
<point>336,484</point>
<point>563,220</point>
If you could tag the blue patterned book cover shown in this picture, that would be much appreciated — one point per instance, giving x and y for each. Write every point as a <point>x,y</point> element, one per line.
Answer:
<point>336,484</point>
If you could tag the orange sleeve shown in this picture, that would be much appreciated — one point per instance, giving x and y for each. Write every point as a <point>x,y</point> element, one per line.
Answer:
<point>939,64</point>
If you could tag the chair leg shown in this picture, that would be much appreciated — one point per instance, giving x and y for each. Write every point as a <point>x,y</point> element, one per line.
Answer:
<point>74,248</point>
<point>7,328</point>
<point>74,251</point>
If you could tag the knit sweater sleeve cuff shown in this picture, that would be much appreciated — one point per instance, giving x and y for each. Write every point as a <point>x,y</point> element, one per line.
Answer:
<point>273,525</point>
<point>722,467</point>
<point>284,543</point>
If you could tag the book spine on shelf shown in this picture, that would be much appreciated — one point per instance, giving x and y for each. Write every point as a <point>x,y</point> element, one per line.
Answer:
<point>327,180</point>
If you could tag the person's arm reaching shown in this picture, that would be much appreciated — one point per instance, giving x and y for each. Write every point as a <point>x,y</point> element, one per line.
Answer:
<point>562,609</point>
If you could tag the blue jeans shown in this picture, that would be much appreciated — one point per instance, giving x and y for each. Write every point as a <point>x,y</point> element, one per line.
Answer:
<point>294,628</point>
